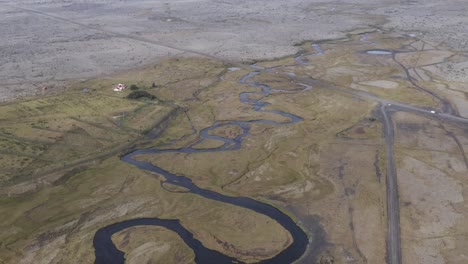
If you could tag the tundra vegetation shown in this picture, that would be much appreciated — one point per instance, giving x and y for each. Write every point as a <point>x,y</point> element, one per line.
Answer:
<point>61,177</point>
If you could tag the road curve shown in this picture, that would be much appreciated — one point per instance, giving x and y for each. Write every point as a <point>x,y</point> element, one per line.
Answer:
<point>446,114</point>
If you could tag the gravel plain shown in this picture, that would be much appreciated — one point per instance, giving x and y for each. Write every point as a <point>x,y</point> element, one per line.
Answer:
<point>47,43</point>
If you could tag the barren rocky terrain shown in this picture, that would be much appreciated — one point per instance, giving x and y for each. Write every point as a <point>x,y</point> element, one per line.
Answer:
<point>45,43</point>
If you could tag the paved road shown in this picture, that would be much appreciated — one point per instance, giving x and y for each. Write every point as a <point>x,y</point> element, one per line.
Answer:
<point>393,206</point>
<point>386,109</point>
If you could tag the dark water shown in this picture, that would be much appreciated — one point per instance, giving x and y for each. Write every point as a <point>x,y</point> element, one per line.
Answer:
<point>105,250</point>
<point>380,52</point>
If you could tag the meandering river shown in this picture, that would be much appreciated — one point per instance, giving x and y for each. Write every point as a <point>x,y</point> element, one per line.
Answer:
<point>105,250</point>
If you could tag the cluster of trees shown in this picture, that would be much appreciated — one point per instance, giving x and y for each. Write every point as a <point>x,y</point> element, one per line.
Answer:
<point>134,87</point>
<point>138,94</point>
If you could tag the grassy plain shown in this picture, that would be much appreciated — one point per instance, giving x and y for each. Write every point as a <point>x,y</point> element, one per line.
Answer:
<point>75,137</point>
<point>433,186</point>
<point>63,180</point>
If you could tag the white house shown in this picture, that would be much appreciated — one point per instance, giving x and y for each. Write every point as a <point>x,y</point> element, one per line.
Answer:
<point>120,87</point>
